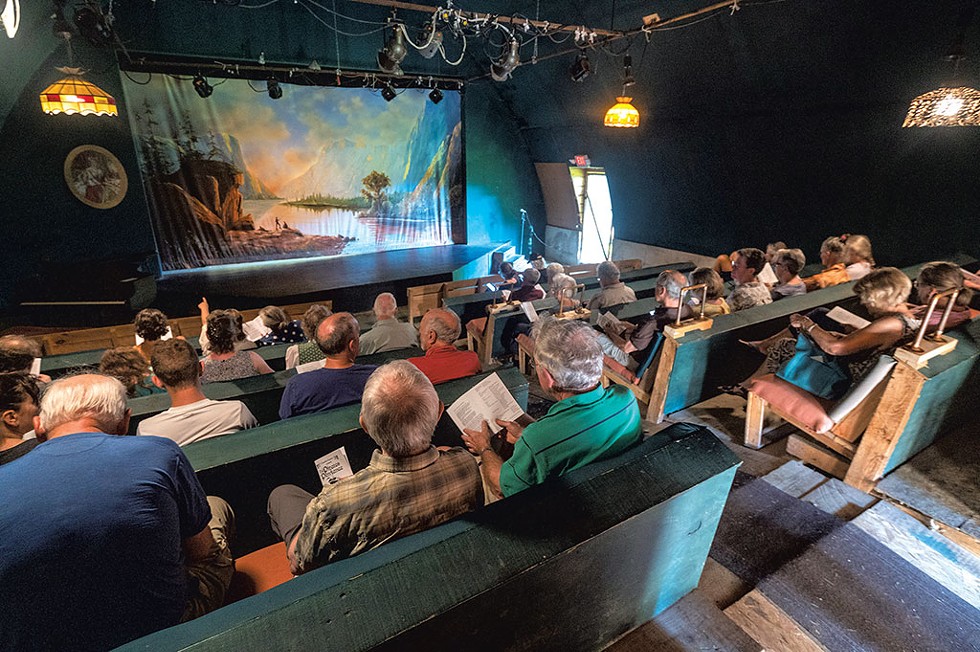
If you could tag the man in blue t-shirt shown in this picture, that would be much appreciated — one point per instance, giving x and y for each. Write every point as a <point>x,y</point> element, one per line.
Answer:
<point>340,381</point>
<point>109,537</point>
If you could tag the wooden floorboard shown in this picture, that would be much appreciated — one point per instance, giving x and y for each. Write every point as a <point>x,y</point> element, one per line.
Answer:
<point>720,585</point>
<point>839,499</point>
<point>795,478</point>
<point>693,624</point>
<point>955,568</point>
<point>770,626</point>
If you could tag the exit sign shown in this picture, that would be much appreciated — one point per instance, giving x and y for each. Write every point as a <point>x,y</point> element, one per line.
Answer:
<point>581,161</point>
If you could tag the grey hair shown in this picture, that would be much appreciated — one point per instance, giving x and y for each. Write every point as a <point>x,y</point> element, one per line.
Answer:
<point>560,282</point>
<point>570,351</point>
<point>385,304</point>
<point>672,281</point>
<point>554,269</point>
<point>607,272</point>
<point>445,323</point>
<point>793,259</point>
<point>93,396</point>
<point>337,338</point>
<point>400,408</point>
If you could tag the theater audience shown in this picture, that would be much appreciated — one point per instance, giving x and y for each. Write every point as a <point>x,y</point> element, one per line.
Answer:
<point>587,424</point>
<point>716,304</point>
<point>18,407</point>
<point>151,326</point>
<point>387,334</point>
<point>509,274</point>
<point>128,366</point>
<point>562,287</point>
<point>340,381</point>
<point>857,256</point>
<point>225,362</point>
<point>551,271</point>
<point>438,332</point>
<point>834,271</point>
<point>17,355</point>
<point>628,349</point>
<point>749,292</point>
<point>786,264</point>
<point>191,416</point>
<point>529,289</point>
<point>110,538</point>
<point>283,329</point>
<point>613,291</point>
<point>306,352</point>
<point>409,486</point>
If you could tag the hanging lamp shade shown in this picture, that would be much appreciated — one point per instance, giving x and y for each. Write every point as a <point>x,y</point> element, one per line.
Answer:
<point>945,107</point>
<point>622,114</point>
<point>72,94</point>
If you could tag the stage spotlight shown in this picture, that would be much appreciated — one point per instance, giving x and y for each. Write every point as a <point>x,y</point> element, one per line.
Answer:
<point>581,68</point>
<point>388,93</point>
<point>203,88</point>
<point>393,52</point>
<point>435,95</point>
<point>93,26</point>
<point>275,90</point>
<point>433,46</point>
<point>501,68</point>
<point>628,79</point>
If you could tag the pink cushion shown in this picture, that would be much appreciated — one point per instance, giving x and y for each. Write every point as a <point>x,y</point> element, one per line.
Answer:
<point>526,342</point>
<point>797,404</point>
<point>613,365</point>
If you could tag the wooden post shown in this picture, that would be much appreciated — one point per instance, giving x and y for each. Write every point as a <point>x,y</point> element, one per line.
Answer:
<point>755,420</point>
<point>661,381</point>
<point>881,437</point>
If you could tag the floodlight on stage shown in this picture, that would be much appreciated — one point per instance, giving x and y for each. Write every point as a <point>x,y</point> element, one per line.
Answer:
<point>388,93</point>
<point>435,95</point>
<point>202,87</point>
<point>11,17</point>
<point>393,52</point>
<point>501,69</point>
<point>275,90</point>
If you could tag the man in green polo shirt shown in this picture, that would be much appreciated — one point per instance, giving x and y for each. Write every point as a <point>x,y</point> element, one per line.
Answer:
<point>587,424</point>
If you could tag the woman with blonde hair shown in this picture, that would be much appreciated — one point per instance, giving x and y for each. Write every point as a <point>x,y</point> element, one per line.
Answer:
<point>940,276</point>
<point>834,270</point>
<point>857,256</point>
<point>715,304</point>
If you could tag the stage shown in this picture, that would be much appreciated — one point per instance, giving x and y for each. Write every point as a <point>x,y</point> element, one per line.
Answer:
<point>351,282</point>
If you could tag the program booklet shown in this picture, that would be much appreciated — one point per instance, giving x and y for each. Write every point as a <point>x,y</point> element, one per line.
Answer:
<point>847,318</point>
<point>486,401</point>
<point>608,322</point>
<point>333,467</point>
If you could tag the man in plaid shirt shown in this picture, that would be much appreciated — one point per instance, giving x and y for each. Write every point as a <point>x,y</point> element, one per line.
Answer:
<point>409,486</point>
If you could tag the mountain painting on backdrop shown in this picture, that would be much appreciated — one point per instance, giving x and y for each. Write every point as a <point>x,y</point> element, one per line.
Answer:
<point>240,177</point>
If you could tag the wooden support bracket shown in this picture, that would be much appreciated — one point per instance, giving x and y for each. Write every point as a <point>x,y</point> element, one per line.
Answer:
<point>930,349</point>
<point>688,326</point>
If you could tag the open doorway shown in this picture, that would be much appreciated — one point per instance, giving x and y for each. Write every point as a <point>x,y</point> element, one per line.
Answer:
<point>595,214</point>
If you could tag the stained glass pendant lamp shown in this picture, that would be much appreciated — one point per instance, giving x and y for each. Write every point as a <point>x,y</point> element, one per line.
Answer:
<point>953,105</point>
<point>74,95</point>
<point>622,113</point>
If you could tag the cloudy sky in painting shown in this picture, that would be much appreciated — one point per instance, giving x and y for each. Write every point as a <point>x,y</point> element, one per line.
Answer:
<point>280,139</point>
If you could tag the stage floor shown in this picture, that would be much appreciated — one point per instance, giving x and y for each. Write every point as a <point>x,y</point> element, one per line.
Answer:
<point>351,281</point>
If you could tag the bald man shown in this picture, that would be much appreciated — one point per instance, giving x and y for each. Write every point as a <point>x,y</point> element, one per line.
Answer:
<point>340,381</point>
<point>388,334</point>
<point>442,361</point>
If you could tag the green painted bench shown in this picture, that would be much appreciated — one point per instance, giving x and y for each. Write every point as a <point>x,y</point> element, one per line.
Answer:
<point>245,467</point>
<point>569,565</point>
<point>261,394</point>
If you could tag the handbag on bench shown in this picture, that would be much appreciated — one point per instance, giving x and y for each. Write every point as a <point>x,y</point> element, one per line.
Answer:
<point>815,371</point>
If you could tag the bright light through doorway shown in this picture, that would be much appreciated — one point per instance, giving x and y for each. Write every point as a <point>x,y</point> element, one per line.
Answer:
<point>595,214</point>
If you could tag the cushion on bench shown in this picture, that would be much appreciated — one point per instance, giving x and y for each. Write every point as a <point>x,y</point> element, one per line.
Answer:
<point>797,404</point>
<point>614,366</point>
<point>259,571</point>
<point>475,327</point>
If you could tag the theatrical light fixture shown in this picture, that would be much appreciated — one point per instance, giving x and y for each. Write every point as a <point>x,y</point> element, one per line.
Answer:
<point>388,93</point>
<point>581,68</point>
<point>10,17</point>
<point>72,94</point>
<point>501,69</point>
<point>202,87</point>
<point>628,79</point>
<point>94,26</point>
<point>393,52</point>
<point>432,41</point>
<point>275,90</point>
<point>435,95</point>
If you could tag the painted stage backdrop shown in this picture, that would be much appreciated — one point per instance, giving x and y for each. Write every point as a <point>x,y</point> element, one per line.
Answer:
<point>239,177</point>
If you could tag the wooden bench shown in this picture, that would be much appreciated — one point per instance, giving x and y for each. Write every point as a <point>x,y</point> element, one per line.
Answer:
<point>243,468</point>
<point>610,546</point>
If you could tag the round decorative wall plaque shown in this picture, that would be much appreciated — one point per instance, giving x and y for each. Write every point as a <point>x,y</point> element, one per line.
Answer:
<point>95,176</point>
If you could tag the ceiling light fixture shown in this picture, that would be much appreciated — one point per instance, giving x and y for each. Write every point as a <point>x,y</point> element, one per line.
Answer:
<point>388,92</point>
<point>202,87</point>
<point>394,52</point>
<point>11,17</point>
<point>275,90</point>
<point>435,95</point>
<point>72,94</point>
<point>623,113</point>
<point>432,40</point>
<point>581,68</point>
<point>501,69</point>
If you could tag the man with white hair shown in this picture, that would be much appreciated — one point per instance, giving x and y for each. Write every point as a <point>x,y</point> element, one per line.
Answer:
<point>387,334</point>
<point>409,486</point>
<point>614,292</point>
<point>438,332</point>
<point>588,423</point>
<point>110,537</point>
<point>632,345</point>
